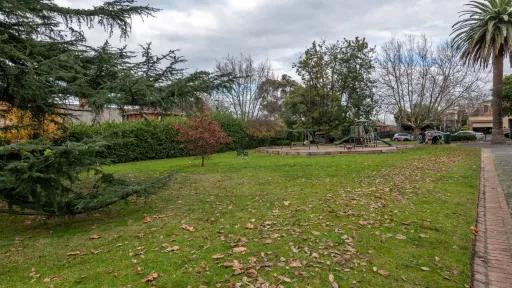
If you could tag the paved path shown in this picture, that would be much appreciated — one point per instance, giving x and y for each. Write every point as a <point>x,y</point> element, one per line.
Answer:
<point>503,160</point>
<point>492,259</point>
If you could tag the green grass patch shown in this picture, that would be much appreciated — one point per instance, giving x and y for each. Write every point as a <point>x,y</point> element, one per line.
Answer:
<point>391,220</point>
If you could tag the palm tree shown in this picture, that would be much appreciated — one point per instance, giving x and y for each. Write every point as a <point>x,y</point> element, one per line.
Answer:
<point>484,34</point>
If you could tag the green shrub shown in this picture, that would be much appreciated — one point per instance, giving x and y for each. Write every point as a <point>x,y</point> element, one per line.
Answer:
<point>133,141</point>
<point>463,138</point>
<point>235,128</point>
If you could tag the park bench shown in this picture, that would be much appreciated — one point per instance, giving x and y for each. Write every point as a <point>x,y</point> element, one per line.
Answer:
<point>242,153</point>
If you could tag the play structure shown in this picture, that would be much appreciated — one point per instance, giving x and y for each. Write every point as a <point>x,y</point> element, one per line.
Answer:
<point>362,139</point>
<point>362,135</point>
<point>301,137</point>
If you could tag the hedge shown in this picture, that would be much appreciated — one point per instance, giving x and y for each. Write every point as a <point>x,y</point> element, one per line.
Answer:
<point>133,141</point>
<point>156,139</point>
<point>244,136</point>
<point>235,128</point>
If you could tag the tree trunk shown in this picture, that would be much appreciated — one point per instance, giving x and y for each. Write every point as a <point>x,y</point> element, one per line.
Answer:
<point>497,103</point>
<point>202,161</point>
<point>416,131</point>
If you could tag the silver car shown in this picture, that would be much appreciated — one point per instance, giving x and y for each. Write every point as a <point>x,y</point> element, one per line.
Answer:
<point>403,137</point>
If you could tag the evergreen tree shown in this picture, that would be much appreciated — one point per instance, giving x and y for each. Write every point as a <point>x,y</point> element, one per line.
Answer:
<point>44,62</point>
<point>41,44</point>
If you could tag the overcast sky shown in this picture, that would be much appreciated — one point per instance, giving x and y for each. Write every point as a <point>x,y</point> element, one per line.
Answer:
<point>278,30</point>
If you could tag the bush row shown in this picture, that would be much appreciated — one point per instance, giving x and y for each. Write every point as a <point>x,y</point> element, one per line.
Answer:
<point>133,141</point>
<point>156,139</point>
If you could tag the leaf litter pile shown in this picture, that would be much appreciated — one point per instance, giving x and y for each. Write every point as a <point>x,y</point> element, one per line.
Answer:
<point>319,231</point>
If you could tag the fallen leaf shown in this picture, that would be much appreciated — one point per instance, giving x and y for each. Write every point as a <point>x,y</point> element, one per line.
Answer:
<point>94,237</point>
<point>138,270</point>
<point>237,272</point>
<point>400,237</point>
<point>74,253</point>
<point>425,268</point>
<point>188,228</point>
<point>172,249</point>
<point>147,219</point>
<point>151,277</point>
<point>383,273</point>
<point>218,256</point>
<point>239,249</point>
<point>332,281</point>
<point>294,263</point>
<point>285,279</point>
<point>251,273</point>
<point>249,226</point>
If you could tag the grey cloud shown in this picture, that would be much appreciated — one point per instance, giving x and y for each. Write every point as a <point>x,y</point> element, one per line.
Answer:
<point>279,31</point>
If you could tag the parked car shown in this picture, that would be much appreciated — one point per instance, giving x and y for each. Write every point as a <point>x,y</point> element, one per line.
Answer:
<point>478,135</point>
<point>433,133</point>
<point>403,137</point>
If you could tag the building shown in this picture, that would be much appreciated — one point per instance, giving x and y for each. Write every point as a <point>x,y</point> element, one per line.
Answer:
<point>79,113</point>
<point>82,114</point>
<point>481,119</point>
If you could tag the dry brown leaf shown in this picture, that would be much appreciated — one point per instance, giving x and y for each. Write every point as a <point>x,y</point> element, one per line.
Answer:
<point>94,237</point>
<point>239,249</point>
<point>251,273</point>
<point>151,277</point>
<point>188,228</point>
<point>172,249</point>
<point>332,281</point>
<point>138,270</point>
<point>147,219</point>
<point>237,272</point>
<point>218,256</point>
<point>383,272</point>
<point>294,263</point>
<point>74,253</point>
<point>249,226</point>
<point>284,279</point>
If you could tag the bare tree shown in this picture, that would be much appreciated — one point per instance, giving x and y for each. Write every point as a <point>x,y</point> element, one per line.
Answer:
<point>420,83</point>
<point>244,97</point>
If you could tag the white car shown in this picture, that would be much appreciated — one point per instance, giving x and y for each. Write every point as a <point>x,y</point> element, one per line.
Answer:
<point>403,137</point>
<point>480,136</point>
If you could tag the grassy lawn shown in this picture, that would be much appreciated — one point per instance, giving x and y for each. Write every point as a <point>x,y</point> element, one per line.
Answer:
<point>390,220</point>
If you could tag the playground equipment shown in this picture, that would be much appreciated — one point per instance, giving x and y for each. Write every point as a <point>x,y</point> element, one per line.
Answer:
<point>303,137</point>
<point>362,135</point>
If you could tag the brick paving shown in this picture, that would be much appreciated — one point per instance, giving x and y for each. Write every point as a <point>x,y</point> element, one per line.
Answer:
<point>492,258</point>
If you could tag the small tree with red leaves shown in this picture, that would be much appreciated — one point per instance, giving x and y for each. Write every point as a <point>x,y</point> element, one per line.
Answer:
<point>202,136</point>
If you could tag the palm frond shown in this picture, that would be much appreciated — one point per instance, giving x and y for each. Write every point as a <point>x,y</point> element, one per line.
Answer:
<point>484,31</point>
